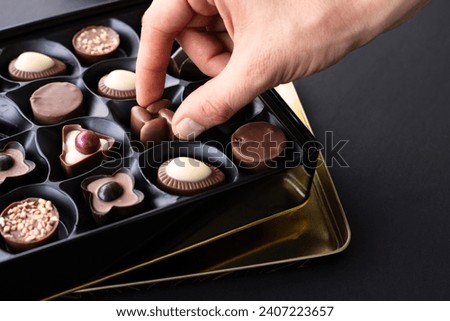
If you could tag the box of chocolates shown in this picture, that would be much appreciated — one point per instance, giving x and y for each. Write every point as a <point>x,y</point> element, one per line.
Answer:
<point>87,177</point>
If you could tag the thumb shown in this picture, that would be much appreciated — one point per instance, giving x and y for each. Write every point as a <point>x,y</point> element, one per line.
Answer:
<point>217,100</point>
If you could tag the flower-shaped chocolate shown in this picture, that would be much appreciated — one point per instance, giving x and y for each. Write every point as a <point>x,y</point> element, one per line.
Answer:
<point>111,195</point>
<point>83,149</point>
<point>154,123</point>
<point>13,162</point>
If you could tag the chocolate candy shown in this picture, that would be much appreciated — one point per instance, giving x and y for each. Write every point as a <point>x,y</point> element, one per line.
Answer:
<point>188,176</point>
<point>110,191</point>
<point>257,145</point>
<point>78,159</point>
<point>12,161</point>
<point>154,123</point>
<point>32,65</point>
<point>28,223</point>
<point>87,142</point>
<point>55,102</point>
<point>118,84</point>
<point>95,43</point>
<point>111,196</point>
<point>6,162</point>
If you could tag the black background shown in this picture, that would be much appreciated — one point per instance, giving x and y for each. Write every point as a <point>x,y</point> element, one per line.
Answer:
<point>391,101</point>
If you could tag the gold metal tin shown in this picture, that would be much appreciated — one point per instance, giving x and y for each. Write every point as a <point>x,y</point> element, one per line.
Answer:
<point>311,229</point>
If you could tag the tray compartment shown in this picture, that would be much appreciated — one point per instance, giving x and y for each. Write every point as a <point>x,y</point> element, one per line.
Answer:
<point>40,171</point>
<point>44,46</point>
<point>66,208</point>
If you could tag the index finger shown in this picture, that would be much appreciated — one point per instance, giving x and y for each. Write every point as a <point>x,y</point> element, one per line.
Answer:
<point>162,21</point>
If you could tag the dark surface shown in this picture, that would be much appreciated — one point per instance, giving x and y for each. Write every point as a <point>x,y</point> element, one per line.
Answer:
<point>391,101</point>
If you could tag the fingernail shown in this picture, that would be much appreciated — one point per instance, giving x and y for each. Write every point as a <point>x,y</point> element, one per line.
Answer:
<point>188,129</point>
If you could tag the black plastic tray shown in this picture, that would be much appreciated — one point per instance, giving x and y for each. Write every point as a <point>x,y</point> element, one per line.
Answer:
<point>83,250</point>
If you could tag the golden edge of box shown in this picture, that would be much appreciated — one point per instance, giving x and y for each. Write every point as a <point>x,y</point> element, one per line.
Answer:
<point>322,177</point>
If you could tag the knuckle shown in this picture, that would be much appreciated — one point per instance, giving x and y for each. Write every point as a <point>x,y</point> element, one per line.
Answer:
<point>217,112</point>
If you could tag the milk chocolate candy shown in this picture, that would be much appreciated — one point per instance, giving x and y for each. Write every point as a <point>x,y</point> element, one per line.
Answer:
<point>56,102</point>
<point>118,84</point>
<point>111,197</point>
<point>32,65</point>
<point>188,176</point>
<point>154,123</point>
<point>95,43</point>
<point>29,223</point>
<point>257,145</point>
<point>83,149</point>
<point>13,162</point>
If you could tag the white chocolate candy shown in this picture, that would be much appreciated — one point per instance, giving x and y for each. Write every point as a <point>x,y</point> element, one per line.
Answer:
<point>120,79</point>
<point>72,154</point>
<point>187,169</point>
<point>31,61</point>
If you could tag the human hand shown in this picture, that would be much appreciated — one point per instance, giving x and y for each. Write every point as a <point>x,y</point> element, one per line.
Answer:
<point>249,46</point>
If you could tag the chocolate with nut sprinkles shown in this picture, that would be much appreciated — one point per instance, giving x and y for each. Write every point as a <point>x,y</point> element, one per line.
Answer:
<point>95,43</point>
<point>187,176</point>
<point>29,223</point>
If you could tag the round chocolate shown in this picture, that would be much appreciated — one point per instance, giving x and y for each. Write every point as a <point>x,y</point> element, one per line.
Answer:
<point>257,145</point>
<point>95,43</point>
<point>6,162</point>
<point>188,176</point>
<point>110,191</point>
<point>87,142</point>
<point>55,102</point>
<point>118,84</point>
<point>32,65</point>
<point>28,223</point>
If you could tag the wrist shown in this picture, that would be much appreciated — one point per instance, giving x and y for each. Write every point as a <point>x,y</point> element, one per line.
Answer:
<point>377,17</point>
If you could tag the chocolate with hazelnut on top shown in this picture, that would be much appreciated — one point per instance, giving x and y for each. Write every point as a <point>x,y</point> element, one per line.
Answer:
<point>83,149</point>
<point>28,223</point>
<point>13,162</point>
<point>112,196</point>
